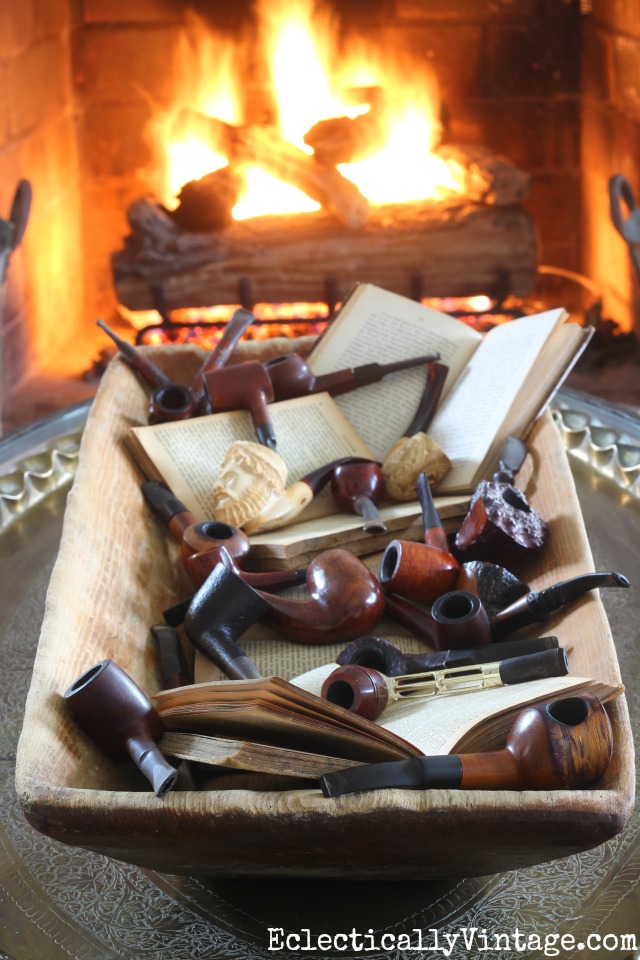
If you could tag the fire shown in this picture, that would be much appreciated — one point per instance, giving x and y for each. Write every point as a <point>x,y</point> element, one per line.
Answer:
<point>310,79</point>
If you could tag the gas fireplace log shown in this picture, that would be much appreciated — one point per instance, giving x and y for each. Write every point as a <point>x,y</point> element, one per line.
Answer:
<point>485,177</point>
<point>346,139</point>
<point>419,247</point>
<point>262,146</point>
<point>207,204</point>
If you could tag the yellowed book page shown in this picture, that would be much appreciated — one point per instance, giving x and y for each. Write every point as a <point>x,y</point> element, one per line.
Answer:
<point>376,325</point>
<point>435,725</point>
<point>310,431</point>
<point>470,418</point>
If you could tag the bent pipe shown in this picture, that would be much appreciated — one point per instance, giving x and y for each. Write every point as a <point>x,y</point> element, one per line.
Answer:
<point>560,745</point>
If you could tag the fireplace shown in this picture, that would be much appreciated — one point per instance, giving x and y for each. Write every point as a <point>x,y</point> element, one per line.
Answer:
<point>552,85</point>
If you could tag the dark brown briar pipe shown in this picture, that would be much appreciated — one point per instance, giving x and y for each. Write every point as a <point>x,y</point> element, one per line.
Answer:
<point>168,401</point>
<point>243,386</point>
<point>345,601</point>
<point>121,719</point>
<point>204,543</point>
<point>460,620</point>
<point>173,663</point>
<point>380,654</point>
<point>359,488</point>
<point>537,606</point>
<point>292,377</point>
<point>560,745</point>
<point>221,611</point>
<point>367,692</point>
<point>421,571</point>
<point>496,586</point>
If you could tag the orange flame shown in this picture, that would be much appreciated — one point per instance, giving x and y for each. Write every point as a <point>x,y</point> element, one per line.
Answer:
<point>310,78</point>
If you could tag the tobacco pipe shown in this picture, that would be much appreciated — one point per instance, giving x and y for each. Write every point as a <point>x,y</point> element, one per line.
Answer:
<point>537,606</point>
<point>173,663</point>
<point>169,401</point>
<point>559,745</point>
<point>496,586</point>
<point>421,571</point>
<point>367,692</point>
<point>345,601</point>
<point>243,386</point>
<point>300,494</point>
<point>219,613</point>
<point>500,525</point>
<point>292,377</point>
<point>415,452</point>
<point>233,331</point>
<point>359,488</point>
<point>459,621</point>
<point>382,655</point>
<point>204,543</point>
<point>121,719</point>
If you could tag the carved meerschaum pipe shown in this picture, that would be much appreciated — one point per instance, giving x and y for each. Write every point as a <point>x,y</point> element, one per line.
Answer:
<point>121,719</point>
<point>203,544</point>
<point>421,571</point>
<point>367,692</point>
<point>292,377</point>
<point>415,452</point>
<point>537,606</point>
<point>382,655</point>
<point>560,745</point>
<point>243,386</point>
<point>345,601</point>
<point>220,612</point>
<point>300,494</point>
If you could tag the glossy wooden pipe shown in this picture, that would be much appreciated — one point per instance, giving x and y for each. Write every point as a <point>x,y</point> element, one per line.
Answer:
<point>560,745</point>
<point>204,543</point>
<point>168,401</point>
<point>345,601</point>
<point>359,488</point>
<point>121,719</point>
<point>367,692</point>
<point>537,606</point>
<point>382,655</point>
<point>292,377</point>
<point>220,612</point>
<point>243,386</point>
<point>460,620</point>
<point>421,571</point>
<point>234,329</point>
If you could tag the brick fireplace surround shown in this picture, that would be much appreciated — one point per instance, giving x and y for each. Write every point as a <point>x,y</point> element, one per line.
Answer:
<point>554,85</point>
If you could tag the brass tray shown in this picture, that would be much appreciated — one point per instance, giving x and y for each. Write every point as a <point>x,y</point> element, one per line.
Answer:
<point>114,575</point>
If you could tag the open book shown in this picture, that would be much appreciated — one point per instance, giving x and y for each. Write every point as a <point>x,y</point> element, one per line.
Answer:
<point>262,724</point>
<point>498,383</point>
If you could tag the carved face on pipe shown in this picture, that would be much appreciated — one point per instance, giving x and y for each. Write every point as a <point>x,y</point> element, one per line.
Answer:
<point>251,478</point>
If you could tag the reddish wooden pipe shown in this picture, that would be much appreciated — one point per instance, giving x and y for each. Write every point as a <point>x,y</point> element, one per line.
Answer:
<point>421,571</point>
<point>563,744</point>
<point>168,401</point>
<point>243,386</point>
<point>204,543</point>
<point>345,601</point>
<point>292,377</point>
<point>359,488</point>
<point>121,719</point>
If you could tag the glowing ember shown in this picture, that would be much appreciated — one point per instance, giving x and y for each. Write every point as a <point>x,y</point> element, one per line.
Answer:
<point>310,79</point>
